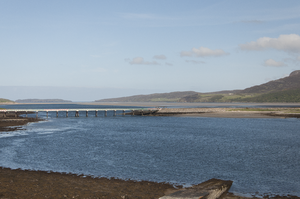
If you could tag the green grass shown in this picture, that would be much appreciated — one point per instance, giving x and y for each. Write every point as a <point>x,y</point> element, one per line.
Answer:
<point>284,110</point>
<point>164,100</point>
<point>2,100</point>
<point>279,96</point>
<point>253,109</point>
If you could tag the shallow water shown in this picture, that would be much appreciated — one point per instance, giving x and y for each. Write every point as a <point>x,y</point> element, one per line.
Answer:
<point>259,155</point>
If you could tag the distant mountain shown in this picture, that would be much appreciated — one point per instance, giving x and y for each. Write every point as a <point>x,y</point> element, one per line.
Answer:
<point>157,97</point>
<point>2,100</point>
<point>42,101</point>
<point>286,89</point>
<point>287,83</point>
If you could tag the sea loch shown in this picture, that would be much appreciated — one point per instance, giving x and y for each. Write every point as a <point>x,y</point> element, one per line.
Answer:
<point>259,155</point>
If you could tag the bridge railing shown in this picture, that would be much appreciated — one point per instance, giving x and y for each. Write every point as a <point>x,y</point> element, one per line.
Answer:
<point>134,111</point>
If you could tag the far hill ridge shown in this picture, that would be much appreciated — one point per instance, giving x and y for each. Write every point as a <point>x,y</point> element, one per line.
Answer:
<point>42,101</point>
<point>156,97</point>
<point>290,82</point>
<point>286,89</point>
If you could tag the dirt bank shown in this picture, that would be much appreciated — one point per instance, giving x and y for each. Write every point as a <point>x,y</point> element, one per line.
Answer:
<point>41,184</point>
<point>12,123</point>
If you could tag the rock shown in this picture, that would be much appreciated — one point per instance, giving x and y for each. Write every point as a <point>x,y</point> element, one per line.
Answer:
<point>294,73</point>
<point>211,189</point>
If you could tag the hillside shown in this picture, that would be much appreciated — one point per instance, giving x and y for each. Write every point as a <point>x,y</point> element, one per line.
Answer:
<point>42,101</point>
<point>290,82</point>
<point>291,95</point>
<point>286,89</point>
<point>282,90</point>
<point>2,100</point>
<point>157,97</point>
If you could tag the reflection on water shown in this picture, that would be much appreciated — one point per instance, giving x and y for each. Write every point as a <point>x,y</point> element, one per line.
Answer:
<point>257,154</point>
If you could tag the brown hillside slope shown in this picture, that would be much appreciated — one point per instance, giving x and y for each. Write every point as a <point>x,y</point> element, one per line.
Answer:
<point>286,83</point>
<point>156,97</point>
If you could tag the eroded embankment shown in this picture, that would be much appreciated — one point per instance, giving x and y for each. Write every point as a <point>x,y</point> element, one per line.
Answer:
<point>12,122</point>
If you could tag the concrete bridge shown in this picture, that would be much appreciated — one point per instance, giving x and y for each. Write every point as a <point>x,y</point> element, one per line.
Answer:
<point>139,111</point>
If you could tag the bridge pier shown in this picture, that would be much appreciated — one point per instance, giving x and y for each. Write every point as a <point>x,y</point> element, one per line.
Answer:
<point>4,114</point>
<point>115,113</point>
<point>16,115</point>
<point>77,113</point>
<point>46,114</point>
<point>67,113</point>
<point>96,113</point>
<point>132,112</point>
<point>142,112</point>
<point>26,113</point>
<point>123,112</point>
<point>56,113</point>
<point>87,113</point>
<point>37,113</point>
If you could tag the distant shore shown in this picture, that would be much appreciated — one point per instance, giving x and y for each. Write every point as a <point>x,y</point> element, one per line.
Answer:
<point>173,104</point>
<point>181,104</point>
<point>231,112</point>
<point>241,111</point>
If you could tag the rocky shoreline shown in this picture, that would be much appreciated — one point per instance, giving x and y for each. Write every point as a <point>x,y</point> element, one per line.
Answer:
<point>12,124</point>
<point>17,183</point>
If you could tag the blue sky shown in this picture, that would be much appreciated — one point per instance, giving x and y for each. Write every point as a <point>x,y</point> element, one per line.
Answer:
<point>142,47</point>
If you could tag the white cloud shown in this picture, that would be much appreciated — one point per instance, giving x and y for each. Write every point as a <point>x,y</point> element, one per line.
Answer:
<point>287,43</point>
<point>203,52</point>
<point>195,62</point>
<point>160,57</point>
<point>168,64</point>
<point>141,61</point>
<point>273,63</point>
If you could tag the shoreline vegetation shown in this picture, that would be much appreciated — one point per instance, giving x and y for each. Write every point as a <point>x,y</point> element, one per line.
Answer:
<point>17,183</point>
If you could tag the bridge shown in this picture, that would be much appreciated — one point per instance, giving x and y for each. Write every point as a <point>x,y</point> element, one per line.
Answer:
<point>139,111</point>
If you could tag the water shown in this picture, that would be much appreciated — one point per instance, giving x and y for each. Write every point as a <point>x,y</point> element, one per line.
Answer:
<point>259,155</point>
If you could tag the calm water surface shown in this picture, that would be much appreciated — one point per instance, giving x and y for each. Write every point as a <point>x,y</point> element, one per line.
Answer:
<point>259,155</point>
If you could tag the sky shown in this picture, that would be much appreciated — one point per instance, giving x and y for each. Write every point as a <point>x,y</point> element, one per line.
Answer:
<point>95,49</point>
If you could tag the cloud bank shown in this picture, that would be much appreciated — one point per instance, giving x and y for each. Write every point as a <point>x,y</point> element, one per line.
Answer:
<point>203,52</point>
<point>195,62</point>
<point>160,57</point>
<point>287,43</point>
<point>141,61</point>
<point>273,63</point>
